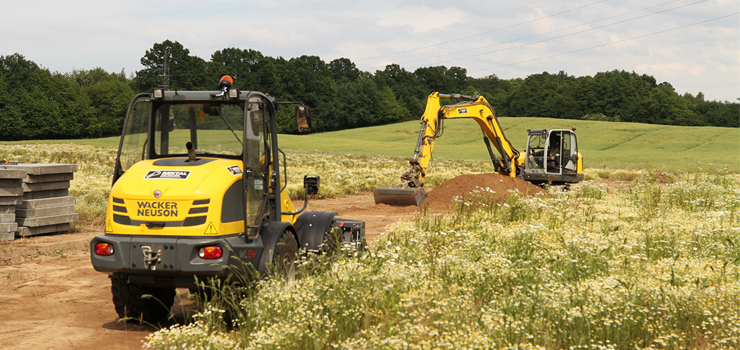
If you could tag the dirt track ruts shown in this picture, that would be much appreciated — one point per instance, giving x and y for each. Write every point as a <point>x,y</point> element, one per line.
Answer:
<point>52,298</point>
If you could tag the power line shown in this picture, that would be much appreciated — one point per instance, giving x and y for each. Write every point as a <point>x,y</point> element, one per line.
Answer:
<point>484,33</point>
<point>611,43</point>
<point>555,31</point>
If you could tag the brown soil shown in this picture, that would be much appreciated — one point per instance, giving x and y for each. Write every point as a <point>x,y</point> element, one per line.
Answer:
<point>442,197</point>
<point>52,298</point>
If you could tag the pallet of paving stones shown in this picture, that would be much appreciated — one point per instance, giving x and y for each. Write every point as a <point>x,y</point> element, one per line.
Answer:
<point>45,206</point>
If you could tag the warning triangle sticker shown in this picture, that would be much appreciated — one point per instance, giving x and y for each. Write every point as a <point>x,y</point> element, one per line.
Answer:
<point>108,226</point>
<point>211,229</point>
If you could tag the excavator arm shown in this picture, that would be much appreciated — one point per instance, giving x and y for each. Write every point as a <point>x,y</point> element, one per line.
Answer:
<point>410,191</point>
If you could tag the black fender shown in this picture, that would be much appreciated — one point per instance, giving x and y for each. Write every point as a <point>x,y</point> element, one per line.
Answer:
<point>270,233</point>
<point>311,227</point>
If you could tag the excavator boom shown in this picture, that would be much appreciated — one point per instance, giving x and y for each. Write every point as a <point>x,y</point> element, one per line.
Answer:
<point>410,191</point>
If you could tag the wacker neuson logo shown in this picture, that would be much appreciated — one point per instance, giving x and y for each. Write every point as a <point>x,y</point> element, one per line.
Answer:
<point>167,174</point>
<point>155,208</point>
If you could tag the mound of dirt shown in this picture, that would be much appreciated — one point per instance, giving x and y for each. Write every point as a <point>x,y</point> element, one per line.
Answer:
<point>441,197</point>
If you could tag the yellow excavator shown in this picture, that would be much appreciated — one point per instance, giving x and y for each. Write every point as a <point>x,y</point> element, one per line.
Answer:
<point>551,156</point>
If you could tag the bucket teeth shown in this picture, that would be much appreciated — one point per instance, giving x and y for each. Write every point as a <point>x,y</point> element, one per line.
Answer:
<point>399,196</point>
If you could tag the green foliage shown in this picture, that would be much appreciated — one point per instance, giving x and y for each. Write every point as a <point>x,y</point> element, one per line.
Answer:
<point>109,95</point>
<point>38,104</point>
<point>184,72</point>
<point>545,95</point>
<point>600,117</point>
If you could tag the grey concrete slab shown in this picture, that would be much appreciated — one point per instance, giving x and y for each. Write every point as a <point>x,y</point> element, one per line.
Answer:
<point>11,191</point>
<point>32,213</point>
<point>10,182</point>
<point>12,173</point>
<point>45,194</point>
<point>48,178</point>
<point>9,227</point>
<point>41,168</point>
<point>7,218</point>
<point>45,186</point>
<point>48,220</point>
<point>6,201</point>
<point>7,209</point>
<point>32,231</point>
<point>46,202</point>
<point>7,236</point>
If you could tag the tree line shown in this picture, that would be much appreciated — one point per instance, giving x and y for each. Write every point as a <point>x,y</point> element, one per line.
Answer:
<point>38,104</point>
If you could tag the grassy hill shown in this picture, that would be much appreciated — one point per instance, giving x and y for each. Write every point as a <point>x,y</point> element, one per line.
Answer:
<point>602,144</point>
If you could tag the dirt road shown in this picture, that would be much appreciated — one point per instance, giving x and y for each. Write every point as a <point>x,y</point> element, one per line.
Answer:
<point>51,298</point>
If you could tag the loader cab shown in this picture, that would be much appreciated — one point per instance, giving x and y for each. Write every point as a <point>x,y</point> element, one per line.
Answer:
<point>213,126</point>
<point>552,157</point>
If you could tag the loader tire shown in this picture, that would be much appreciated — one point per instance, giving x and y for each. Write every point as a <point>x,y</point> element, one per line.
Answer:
<point>285,253</point>
<point>128,301</point>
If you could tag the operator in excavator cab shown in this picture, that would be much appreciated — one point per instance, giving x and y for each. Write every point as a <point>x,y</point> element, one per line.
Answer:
<point>553,158</point>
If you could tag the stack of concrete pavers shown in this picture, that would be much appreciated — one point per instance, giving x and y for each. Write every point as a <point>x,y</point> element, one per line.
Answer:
<point>46,205</point>
<point>11,194</point>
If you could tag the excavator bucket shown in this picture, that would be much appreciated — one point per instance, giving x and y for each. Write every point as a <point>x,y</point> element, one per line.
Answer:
<point>399,196</point>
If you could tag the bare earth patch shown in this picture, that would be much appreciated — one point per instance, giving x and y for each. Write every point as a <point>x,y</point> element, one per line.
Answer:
<point>52,298</point>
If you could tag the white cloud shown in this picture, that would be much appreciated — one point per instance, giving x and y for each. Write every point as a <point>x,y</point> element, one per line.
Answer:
<point>510,39</point>
<point>423,19</point>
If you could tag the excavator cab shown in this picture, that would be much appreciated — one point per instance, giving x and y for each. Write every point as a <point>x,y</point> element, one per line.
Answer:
<point>552,157</point>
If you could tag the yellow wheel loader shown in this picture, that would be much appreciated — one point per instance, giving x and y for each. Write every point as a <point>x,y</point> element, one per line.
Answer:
<point>551,157</point>
<point>205,199</point>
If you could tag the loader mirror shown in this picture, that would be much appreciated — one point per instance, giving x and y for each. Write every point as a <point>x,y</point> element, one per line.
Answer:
<point>311,184</point>
<point>303,119</point>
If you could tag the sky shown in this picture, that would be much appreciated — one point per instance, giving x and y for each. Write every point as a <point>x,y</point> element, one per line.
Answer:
<point>692,44</point>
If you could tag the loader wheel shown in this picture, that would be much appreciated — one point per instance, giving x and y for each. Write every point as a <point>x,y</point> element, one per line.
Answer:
<point>285,253</point>
<point>127,298</point>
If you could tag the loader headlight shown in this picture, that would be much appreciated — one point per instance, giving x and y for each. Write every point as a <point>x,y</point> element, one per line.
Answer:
<point>158,93</point>
<point>233,93</point>
<point>210,252</point>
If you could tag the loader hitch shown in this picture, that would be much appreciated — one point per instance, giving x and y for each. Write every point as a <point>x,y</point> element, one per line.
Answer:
<point>151,258</point>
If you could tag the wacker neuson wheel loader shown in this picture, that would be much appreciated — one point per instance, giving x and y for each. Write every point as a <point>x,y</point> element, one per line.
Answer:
<point>199,190</point>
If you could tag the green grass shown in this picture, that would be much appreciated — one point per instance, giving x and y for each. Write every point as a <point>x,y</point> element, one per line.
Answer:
<point>602,144</point>
<point>653,262</point>
<point>648,265</point>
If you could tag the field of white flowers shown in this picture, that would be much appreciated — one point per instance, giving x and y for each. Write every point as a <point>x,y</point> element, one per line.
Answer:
<point>648,262</point>
<point>341,174</point>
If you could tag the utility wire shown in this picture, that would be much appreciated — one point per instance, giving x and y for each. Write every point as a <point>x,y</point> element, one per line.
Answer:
<point>558,30</point>
<point>484,33</point>
<point>611,43</point>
